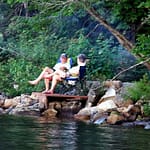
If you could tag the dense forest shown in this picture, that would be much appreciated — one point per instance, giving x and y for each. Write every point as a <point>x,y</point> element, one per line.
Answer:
<point>114,35</point>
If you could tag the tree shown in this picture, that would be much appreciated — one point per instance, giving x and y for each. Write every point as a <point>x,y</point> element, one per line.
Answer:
<point>88,5</point>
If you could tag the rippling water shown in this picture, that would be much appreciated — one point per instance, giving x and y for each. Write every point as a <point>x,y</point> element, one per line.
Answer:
<point>24,133</point>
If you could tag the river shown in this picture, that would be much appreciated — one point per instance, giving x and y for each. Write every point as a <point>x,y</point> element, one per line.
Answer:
<point>32,133</point>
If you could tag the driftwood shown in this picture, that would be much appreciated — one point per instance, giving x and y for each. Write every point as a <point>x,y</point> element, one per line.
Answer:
<point>142,62</point>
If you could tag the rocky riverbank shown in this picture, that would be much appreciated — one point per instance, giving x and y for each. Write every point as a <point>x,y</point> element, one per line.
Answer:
<point>105,105</point>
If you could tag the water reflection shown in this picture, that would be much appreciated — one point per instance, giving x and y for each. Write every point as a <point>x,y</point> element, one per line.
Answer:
<point>59,134</point>
<point>21,133</point>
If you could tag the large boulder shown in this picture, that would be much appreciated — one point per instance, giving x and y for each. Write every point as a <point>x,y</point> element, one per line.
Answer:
<point>115,118</point>
<point>11,102</point>
<point>41,98</point>
<point>95,91</point>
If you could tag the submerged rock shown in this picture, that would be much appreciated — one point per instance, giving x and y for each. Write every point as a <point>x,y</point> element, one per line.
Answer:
<point>142,123</point>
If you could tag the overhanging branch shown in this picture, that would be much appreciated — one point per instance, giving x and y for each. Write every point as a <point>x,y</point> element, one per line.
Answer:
<point>142,62</point>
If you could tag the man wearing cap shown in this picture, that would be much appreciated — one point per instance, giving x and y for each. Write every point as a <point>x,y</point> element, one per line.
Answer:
<point>81,61</point>
<point>48,73</point>
<point>74,71</point>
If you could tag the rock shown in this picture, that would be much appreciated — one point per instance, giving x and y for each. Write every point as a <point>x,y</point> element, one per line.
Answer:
<point>84,114</point>
<point>84,118</point>
<point>131,112</point>
<point>8,103</point>
<point>142,123</point>
<point>128,124</point>
<point>147,127</point>
<point>43,102</point>
<point>100,120</point>
<point>119,99</point>
<point>69,108</point>
<point>25,99</point>
<point>51,105</point>
<point>112,90</point>
<point>115,118</point>
<point>58,105</point>
<point>116,84</point>
<point>99,117</point>
<point>85,111</point>
<point>107,105</point>
<point>1,110</point>
<point>11,102</point>
<point>95,89</point>
<point>50,113</point>
<point>22,109</point>
<point>2,102</point>
<point>102,107</point>
<point>2,99</point>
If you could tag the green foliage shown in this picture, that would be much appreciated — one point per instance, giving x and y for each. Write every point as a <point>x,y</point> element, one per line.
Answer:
<point>128,10</point>
<point>37,40</point>
<point>102,59</point>
<point>16,1</point>
<point>78,45</point>
<point>14,76</point>
<point>146,109</point>
<point>143,46</point>
<point>140,90</point>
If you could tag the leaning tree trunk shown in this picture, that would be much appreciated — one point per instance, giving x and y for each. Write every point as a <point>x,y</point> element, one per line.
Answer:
<point>121,39</point>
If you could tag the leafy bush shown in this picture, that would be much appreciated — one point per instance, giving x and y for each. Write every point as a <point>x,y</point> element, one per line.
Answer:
<point>14,76</point>
<point>143,46</point>
<point>146,109</point>
<point>140,90</point>
<point>102,59</point>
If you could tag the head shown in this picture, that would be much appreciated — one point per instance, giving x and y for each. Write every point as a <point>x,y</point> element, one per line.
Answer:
<point>63,58</point>
<point>81,59</point>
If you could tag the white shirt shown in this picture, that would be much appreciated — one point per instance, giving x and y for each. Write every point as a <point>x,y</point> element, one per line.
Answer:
<point>59,65</point>
<point>74,71</point>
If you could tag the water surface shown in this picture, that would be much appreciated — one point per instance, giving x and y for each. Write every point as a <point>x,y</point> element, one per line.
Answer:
<point>29,133</point>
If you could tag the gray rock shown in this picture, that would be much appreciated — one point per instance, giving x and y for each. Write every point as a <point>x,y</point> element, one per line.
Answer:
<point>147,127</point>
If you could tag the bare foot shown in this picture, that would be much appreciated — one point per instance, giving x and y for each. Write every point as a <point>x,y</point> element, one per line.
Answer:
<point>49,92</point>
<point>45,91</point>
<point>34,82</point>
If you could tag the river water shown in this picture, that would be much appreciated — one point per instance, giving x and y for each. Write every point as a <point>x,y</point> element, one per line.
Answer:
<point>26,133</point>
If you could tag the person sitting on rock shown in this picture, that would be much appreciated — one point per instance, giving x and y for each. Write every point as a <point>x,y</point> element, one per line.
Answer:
<point>48,73</point>
<point>74,71</point>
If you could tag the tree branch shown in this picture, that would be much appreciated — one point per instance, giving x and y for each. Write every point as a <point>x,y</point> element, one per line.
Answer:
<point>142,62</point>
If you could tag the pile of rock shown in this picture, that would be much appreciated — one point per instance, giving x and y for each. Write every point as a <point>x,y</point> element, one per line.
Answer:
<point>37,104</point>
<point>20,105</point>
<point>111,108</point>
<point>105,104</point>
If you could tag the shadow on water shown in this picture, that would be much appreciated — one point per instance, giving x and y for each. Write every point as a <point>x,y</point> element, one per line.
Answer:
<point>22,133</point>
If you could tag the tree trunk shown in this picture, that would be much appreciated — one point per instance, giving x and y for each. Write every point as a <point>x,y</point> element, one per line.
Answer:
<point>121,39</point>
<point>25,4</point>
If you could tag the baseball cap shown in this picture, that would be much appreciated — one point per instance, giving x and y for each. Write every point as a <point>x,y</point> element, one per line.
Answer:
<point>82,57</point>
<point>63,55</point>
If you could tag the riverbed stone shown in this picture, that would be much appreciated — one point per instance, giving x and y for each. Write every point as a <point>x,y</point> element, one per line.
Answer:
<point>1,110</point>
<point>115,118</point>
<point>70,107</point>
<point>95,90</point>
<point>11,102</point>
<point>43,101</point>
<point>84,118</point>
<point>50,113</point>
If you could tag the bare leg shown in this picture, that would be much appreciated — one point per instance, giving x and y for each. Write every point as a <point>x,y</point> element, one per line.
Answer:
<point>55,80</point>
<point>46,81</point>
<point>46,70</point>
